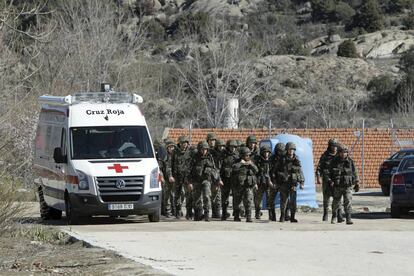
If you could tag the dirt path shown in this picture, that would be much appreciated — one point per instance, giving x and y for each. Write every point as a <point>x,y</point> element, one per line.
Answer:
<point>44,250</point>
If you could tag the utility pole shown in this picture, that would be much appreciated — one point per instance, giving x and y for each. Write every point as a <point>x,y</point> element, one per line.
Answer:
<point>363,154</point>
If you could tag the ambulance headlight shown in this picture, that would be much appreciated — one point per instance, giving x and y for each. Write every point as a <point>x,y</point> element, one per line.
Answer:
<point>154,179</point>
<point>83,181</point>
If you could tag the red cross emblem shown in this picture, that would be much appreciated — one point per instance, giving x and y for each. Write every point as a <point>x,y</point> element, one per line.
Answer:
<point>118,168</point>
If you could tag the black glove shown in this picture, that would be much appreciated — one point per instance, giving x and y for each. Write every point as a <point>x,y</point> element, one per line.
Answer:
<point>356,188</point>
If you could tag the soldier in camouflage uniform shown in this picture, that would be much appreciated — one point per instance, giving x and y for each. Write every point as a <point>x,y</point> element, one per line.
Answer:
<point>179,171</point>
<point>167,188</point>
<point>203,174</point>
<point>160,155</point>
<point>218,154</point>
<point>211,140</point>
<point>245,181</point>
<point>263,163</point>
<point>239,146</point>
<point>322,176</point>
<point>290,174</point>
<point>230,158</point>
<point>274,189</point>
<point>251,143</point>
<point>343,176</point>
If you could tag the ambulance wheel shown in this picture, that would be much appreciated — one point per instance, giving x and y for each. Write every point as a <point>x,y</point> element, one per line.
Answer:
<point>47,212</point>
<point>155,217</point>
<point>71,217</point>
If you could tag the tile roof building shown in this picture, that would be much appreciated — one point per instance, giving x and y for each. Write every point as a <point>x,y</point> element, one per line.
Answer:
<point>378,143</point>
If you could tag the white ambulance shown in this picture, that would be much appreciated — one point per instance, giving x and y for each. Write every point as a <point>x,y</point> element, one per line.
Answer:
<point>94,156</point>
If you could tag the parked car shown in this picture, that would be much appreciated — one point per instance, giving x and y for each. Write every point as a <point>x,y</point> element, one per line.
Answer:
<point>402,188</point>
<point>386,168</point>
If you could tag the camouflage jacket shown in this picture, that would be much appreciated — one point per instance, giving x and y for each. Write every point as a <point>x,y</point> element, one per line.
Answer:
<point>180,162</point>
<point>218,157</point>
<point>265,170</point>
<point>203,168</point>
<point>227,164</point>
<point>276,165</point>
<point>324,165</point>
<point>244,175</point>
<point>290,171</point>
<point>343,172</point>
<point>167,170</point>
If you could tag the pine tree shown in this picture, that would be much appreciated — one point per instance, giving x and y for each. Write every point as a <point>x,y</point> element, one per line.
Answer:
<point>369,17</point>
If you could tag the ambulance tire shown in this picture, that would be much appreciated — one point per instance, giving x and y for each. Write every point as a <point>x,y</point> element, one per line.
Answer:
<point>155,217</point>
<point>71,218</point>
<point>47,212</point>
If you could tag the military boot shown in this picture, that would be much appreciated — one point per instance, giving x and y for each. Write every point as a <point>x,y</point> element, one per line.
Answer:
<point>282,216</point>
<point>236,214</point>
<point>177,213</point>
<point>206,216</point>
<point>216,213</point>
<point>242,213</point>
<point>333,218</point>
<point>287,214</point>
<point>340,217</point>
<point>325,214</point>
<point>224,214</point>
<point>272,215</point>
<point>249,216</point>
<point>348,219</point>
<point>292,217</point>
<point>257,214</point>
<point>196,215</point>
<point>189,214</point>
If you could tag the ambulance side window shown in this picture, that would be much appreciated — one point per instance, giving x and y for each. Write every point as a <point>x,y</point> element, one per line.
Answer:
<point>63,141</point>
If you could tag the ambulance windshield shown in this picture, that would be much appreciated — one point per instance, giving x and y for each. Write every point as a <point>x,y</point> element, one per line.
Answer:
<point>111,142</point>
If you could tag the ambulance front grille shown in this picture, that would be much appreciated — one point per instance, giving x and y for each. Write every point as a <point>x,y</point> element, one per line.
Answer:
<point>130,190</point>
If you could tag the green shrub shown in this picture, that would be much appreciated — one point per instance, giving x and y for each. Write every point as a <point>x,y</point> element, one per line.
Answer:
<point>382,90</point>
<point>322,10</point>
<point>344,12</point>
<point>408,21</point>
<point>407,61</point>
<point>347,49</point>
<point>10,208</point>
<point>369,17</point>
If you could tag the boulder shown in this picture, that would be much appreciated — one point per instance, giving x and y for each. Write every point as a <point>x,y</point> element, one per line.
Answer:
<point>377,45</point>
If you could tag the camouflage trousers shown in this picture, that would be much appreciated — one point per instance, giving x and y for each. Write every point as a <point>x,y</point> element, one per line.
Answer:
<point>327,192</point>
<point>225,193</point>
<point>215,199</point>
<point>258,196</point>
<point>167,198</point>
<point>181,192</point>
<point>245,195</point>
<point>288,194</point>
<point>202,196</point>
<point>338,193</point>
<point>271,200</point>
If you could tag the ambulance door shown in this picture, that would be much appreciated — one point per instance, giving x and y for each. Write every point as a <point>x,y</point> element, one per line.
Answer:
<point>60,167</point>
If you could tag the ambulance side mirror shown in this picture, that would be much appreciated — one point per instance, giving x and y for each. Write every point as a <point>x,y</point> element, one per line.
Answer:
<point>58,156</point>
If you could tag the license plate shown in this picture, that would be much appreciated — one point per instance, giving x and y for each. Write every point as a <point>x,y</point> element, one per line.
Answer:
<point>115,207</point>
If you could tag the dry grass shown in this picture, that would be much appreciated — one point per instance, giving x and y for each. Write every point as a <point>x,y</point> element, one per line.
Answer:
<point>10,208</point>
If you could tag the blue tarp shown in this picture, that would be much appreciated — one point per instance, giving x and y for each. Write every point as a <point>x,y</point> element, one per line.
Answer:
<point>304,151</point>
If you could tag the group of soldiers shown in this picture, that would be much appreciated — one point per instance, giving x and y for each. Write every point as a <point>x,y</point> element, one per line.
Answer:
<point>204,178</point>
<point>338,174</point>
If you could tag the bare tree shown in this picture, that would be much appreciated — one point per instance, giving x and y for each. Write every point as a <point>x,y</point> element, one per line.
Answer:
<point>219,70</point>
<point>404,107</point>
<point>334,108</point>
<point>92,44</point>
